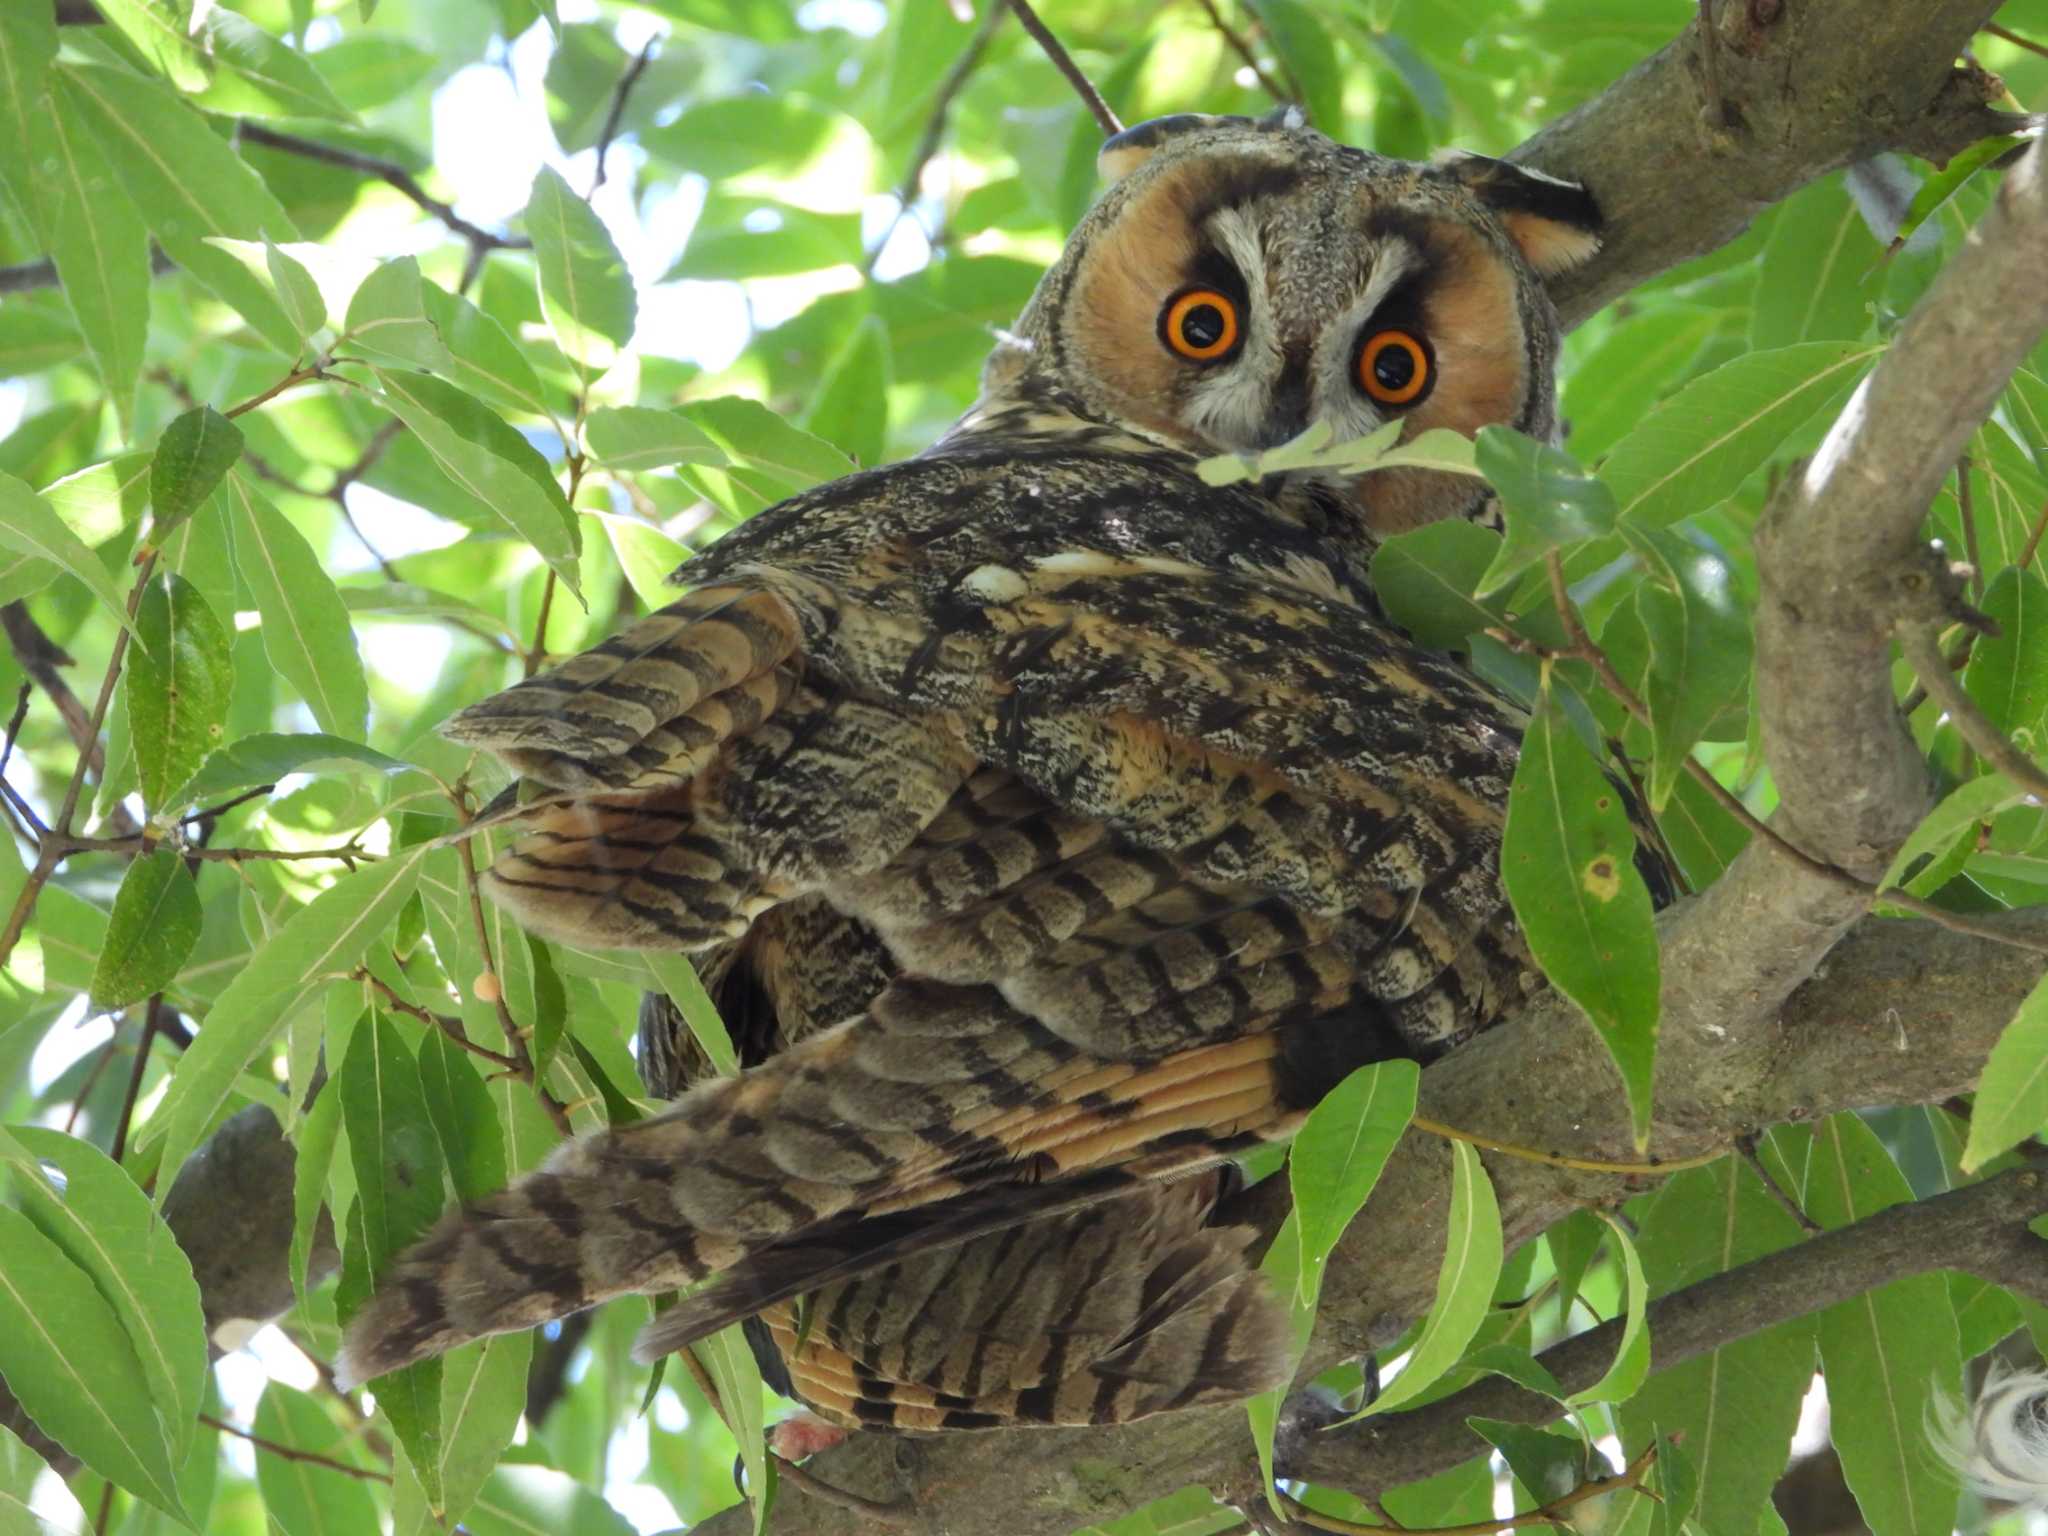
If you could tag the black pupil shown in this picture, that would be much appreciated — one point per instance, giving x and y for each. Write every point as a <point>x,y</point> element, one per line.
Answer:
<point>1394,367</point>
<point>1202,326</point>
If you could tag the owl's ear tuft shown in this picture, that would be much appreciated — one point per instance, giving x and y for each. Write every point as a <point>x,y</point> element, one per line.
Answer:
<point>1123,153</point>
<point>1554,223</point>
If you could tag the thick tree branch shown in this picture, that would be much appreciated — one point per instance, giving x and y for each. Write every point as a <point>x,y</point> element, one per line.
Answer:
<point>1977,1229</point>
<point>1806,91</point>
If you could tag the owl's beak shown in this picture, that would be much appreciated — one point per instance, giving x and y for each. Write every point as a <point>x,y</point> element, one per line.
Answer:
<point>1287,413</point>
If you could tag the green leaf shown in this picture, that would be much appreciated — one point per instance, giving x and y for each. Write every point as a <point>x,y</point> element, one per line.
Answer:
<point>1464,1287</point>
<point>304,1497</point>
<point>738,237</point>
<point>1696,448</point>
<point>155,922</point>
<point>195,452</point>
<point>399,1174</point>
<point>188,183</point>
<point>388,318</point>
<point>851,408</point>
<point>730,1362</point>
<point>482,358</point>
<point>1568,860</point>
<point>372,69</point>
<point>99,245</point>
<point>483,1395</point>
<point>265,758</point>
<point>1737,1406</point>
<point>585,291</point>
<point>782,459</point>
<point>520,1500</point>
<point>1282,1267</point>
<point>105,1225</point>
<point>306,632</point>
<point>2012,1093</point>
<point>639,437</point>
<point>645,554</point>
<point>2007,674</point>
<point>1958,816</point>
<point>296,289</point>
<point>28,45</point>
<point>177,686</point>
<point>30,524</point>
<point>1818,279</point>
<point>1612,386</point>
<point>65,1354</point>
<point>1547,1464</point>
<point>259,75</point>
<point>1547,502</point>
<point>1338,1155</point>
<point>1699,647</point>
<point>1888,1353</point>
<point>675,976</point>
<point>315,1159</point>
<point>1632,1356</point>
<point>322,939</point>
<point>1303,43</point>
<point>1425,579</point>
<point>500,483</point>
<point>464,1117</point>
<point>1945,183</point>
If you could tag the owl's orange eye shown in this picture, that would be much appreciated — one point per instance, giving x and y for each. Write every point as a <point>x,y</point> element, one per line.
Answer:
<point>1395,368</point>
<point>1200,325</point>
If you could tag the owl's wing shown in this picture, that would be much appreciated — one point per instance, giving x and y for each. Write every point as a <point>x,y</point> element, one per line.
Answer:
<point>1130,1307</point>
<point>1163,853</point>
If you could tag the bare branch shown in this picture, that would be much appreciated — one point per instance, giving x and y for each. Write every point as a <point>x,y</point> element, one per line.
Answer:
<point>389,172</point>
<point>1063,61</point>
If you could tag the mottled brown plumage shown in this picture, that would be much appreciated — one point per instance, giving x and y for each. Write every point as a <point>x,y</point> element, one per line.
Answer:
<point>1155,826</point>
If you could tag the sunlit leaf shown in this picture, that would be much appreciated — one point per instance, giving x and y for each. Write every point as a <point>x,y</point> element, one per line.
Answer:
<point>1568,860</point>
<point>31,525</point>
<point>178,684</point>
<point>1547,502</point>
<point>2012,1093</point>
<point>585,289</point>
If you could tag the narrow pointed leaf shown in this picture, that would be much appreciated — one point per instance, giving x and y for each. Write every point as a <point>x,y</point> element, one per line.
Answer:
<point>639,437</point>
<point>321,940</point>
<point>1699,648</point>
<point>1568,860</point>
<point>1693,450</point>
<point>677,977</point>
<point>195,452</point>
<point>107,1227</point>
<point>151,931</point>
<point>1632,1356</point>
<point>302,1496</point>
<point>730,1362</point>
<point>399,1195</point>
<point>2012,1093</point>
<point>100,247</point>
<point>585,290</point>
<point>264,758</point>
<point>68,1359</point>
<point>1464,1287</point>
<point>1547,502</point>
<point>178,686</point>
<point>1338,1154</point>
<point>31,525</point>
<point>306,632</point>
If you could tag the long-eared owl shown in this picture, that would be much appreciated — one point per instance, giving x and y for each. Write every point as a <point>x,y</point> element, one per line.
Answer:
<point>1055,825</point>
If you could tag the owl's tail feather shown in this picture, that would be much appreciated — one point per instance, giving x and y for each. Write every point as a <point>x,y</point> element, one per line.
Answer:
<point>754,1176</point>
<point>1187,1321</point>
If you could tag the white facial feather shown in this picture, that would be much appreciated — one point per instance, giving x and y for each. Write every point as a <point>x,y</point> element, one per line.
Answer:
<point>1998,1444</point>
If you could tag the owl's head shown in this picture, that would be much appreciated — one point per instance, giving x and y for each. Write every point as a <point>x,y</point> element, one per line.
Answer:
<point>1242,279</point>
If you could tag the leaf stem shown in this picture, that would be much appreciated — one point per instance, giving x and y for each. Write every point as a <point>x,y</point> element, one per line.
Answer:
<point>293,1453</point>
<point>1063,61</point>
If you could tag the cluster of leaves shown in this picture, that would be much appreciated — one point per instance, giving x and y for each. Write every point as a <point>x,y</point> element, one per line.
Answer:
<point>268,806</point>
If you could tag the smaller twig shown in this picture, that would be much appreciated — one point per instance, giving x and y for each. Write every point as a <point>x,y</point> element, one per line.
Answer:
<point>99,1067</point>
<point>152,1021</point>
<point>1966,513</point>
<point>1746,1146</point>
<point>387,171</point>
<point>30,275</point>
<point>617,110</point>
<point>1920,645</point>
<point>539,650</point>
<point>293,1453</point>
<point>60,846</point>
<point>1650,1169</point>
<point>106,1511</point>
<point>1241,46</point>
<point>1063,61</point>
<point>308,374</point>
<point>2034,537</point>
<point>935,125</point>
<point>445,1023</point>
<point>2014,38</point>
<point>229,804</point>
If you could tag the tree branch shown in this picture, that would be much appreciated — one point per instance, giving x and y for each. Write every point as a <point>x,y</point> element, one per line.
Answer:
<point>1806,89</point>
<point>1976,1229</point>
